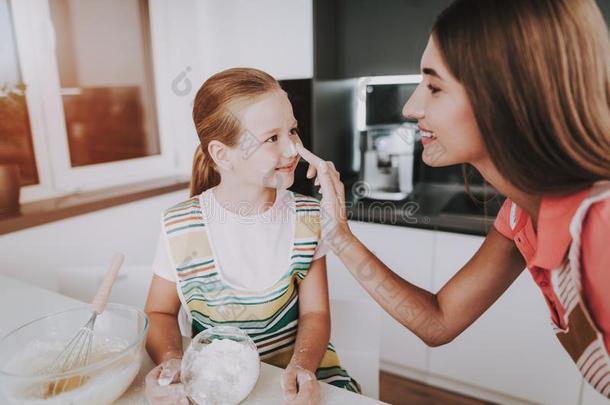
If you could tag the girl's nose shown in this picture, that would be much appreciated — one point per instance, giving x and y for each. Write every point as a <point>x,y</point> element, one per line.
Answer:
<point>289,149</point>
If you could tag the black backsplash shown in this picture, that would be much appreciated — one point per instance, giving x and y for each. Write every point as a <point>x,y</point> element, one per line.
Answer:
<point>299,93</point>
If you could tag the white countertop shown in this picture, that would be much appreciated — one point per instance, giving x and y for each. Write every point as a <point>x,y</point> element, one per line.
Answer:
<point>15,311</point>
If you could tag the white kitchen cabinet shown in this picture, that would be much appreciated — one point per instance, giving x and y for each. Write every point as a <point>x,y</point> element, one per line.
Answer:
<point>273,35</point>
<point>511,349</point>
<point>408,252</point>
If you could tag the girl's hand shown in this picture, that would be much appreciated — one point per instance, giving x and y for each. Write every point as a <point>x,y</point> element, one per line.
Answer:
<point>163,385</point>
<point>335,230</point>
<point>300,386</point>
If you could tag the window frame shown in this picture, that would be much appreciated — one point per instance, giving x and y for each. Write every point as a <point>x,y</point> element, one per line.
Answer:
<point>35,41</point>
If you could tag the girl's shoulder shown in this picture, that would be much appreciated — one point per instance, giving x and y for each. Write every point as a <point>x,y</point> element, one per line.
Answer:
<point>185,204</point>
<point>181,209</point>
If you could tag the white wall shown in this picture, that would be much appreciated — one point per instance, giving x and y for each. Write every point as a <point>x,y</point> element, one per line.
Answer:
<point>272,35</point>
<point>37,255</point>
<point>179,73</point>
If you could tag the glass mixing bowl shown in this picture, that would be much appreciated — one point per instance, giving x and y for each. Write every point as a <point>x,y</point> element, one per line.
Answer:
<point>116,356</point>
<point>220,366</point>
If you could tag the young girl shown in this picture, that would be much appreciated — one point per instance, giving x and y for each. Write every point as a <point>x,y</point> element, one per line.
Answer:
<point>243,250</point>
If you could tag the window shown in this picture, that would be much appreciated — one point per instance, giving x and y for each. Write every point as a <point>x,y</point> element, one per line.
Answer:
<point>90,116</point>
<point>16,145</point>
<point>106,81</point>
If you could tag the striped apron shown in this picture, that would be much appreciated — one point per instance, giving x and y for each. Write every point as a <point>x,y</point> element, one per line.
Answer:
<point>270,317</point>
<point>577,332</point>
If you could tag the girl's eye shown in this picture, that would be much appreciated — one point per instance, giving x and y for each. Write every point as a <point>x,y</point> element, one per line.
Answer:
<point>272,139</point>
<point>433,89</point>
<point>294,131</point>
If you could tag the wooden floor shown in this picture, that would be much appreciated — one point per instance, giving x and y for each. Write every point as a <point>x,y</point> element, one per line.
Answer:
<point>397,390</point>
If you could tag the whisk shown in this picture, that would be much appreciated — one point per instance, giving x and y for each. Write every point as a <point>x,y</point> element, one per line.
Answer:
<point>76,353</point>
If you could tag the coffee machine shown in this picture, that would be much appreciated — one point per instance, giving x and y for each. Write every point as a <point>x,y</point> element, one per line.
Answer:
<point>387,139</point>
<point>387,161</point>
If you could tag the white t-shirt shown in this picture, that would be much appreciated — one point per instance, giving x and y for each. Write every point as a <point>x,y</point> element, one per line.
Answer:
<point>252,252</point>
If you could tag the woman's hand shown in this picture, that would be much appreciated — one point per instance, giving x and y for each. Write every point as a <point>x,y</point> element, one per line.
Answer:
<point>300,386</point>
<point>163,385</point>
<point>335,230</point>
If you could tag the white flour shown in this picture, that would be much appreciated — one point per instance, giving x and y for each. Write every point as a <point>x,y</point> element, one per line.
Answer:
<point>222,372</point>
<point>102,387</point>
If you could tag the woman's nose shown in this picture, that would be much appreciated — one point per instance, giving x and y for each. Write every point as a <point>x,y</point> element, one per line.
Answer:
<point>413,108</point>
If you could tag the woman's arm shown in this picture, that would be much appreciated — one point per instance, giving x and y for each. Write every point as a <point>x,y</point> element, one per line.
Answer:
<point>313,333</point>
<point>164,341</point>
<point>438,318</point>
<point>435,318</point>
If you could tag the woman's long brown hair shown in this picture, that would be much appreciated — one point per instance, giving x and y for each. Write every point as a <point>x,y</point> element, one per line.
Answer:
<point>537,73</point>
<point>214,112</point>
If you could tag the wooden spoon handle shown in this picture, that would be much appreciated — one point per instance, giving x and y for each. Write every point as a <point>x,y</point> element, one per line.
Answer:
<point>103,292</point>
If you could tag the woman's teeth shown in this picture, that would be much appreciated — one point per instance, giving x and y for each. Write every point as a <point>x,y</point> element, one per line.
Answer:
<point>427,134</point>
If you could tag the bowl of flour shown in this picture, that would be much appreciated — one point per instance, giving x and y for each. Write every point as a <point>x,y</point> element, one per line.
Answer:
<point>220,366</point>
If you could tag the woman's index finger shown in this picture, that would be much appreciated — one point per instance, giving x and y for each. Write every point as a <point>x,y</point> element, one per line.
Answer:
<point>308,156</point>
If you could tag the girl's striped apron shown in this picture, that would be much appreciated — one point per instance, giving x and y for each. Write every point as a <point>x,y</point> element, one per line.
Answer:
<point>270,317</point>
<point>577,331</point>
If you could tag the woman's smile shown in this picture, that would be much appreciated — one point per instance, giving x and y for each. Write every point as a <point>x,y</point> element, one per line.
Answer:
<point>427,136</point>
<point>426,141</point>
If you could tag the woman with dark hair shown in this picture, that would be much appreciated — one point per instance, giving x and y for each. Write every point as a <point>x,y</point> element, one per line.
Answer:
<point>520,90</point>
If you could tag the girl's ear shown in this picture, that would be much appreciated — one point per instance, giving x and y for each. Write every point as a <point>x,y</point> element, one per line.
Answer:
<point>219,152</point>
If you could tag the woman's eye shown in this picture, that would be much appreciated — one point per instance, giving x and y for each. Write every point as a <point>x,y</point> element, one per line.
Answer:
<point>433,89</point>
<point>294,131</point>
<point>272,139</point>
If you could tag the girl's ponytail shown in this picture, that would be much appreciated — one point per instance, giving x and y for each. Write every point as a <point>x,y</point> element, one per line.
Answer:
<point>204,176</point>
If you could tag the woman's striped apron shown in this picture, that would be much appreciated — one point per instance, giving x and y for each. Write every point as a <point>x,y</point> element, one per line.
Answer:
<point>577,332</point>
<point>270,317</point>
